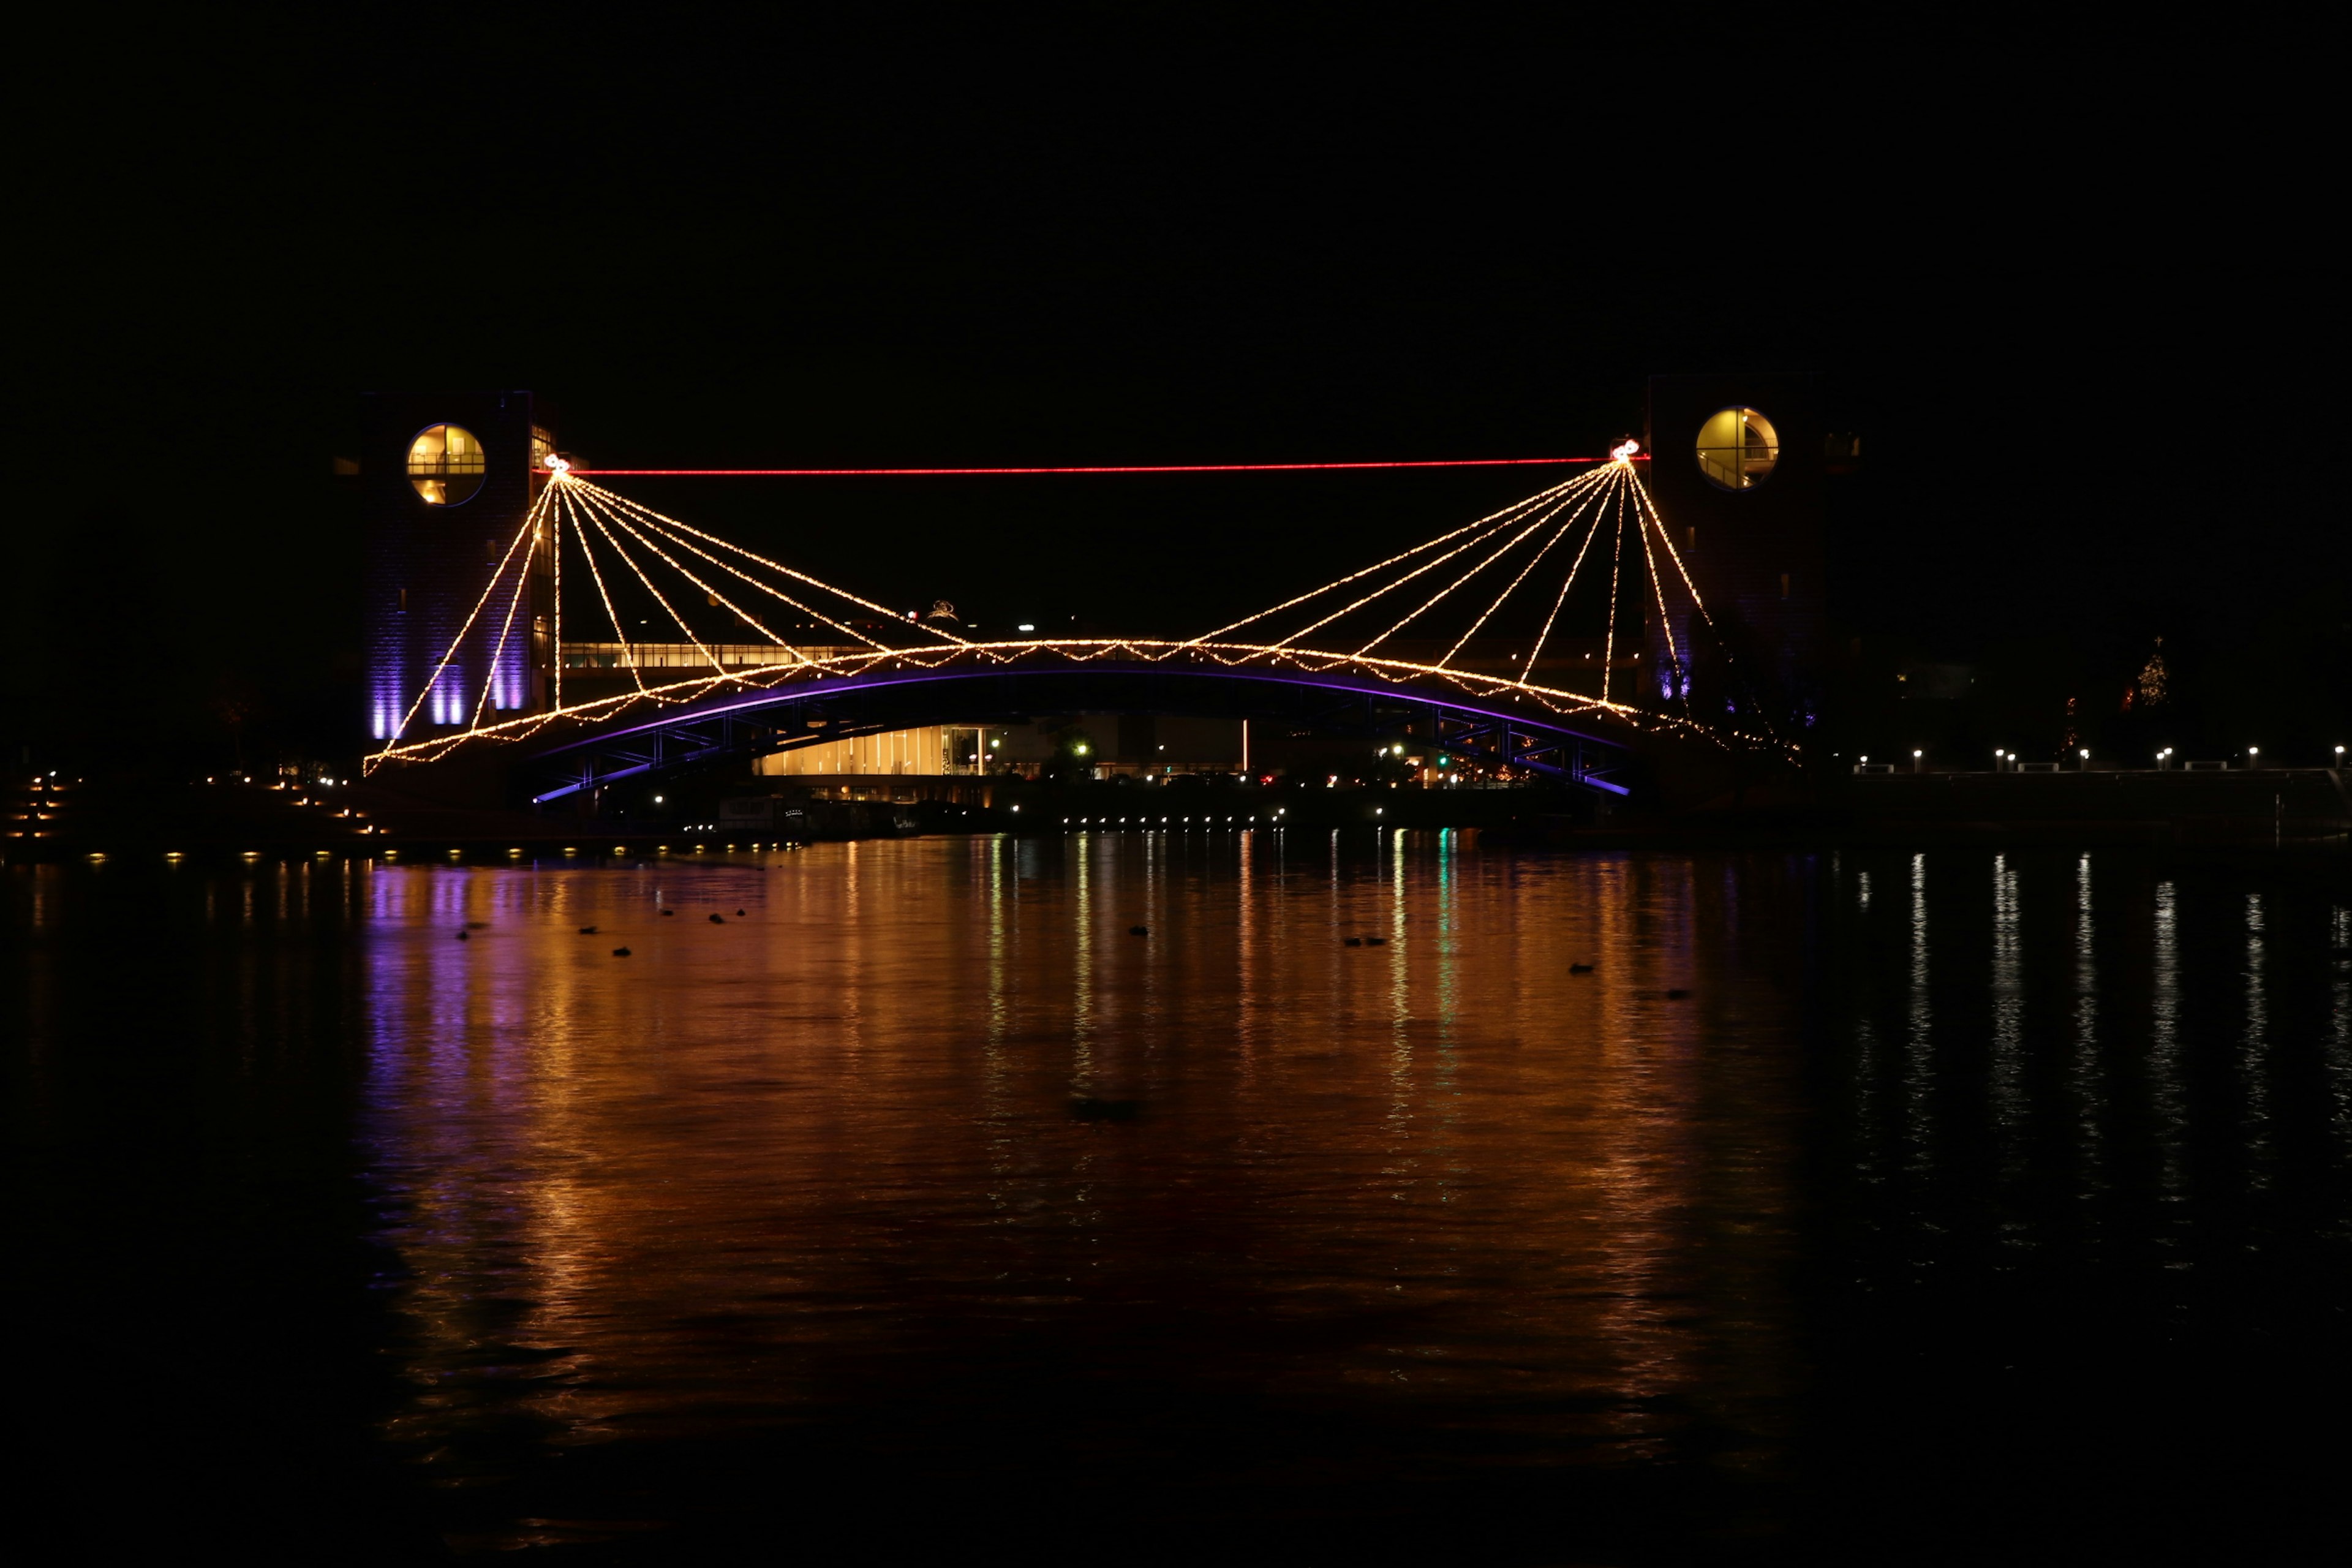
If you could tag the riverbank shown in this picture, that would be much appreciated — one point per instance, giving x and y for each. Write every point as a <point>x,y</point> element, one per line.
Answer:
<point>2302,809</point>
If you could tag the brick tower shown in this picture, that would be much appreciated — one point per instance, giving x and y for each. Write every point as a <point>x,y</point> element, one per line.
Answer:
<point>448,479</point>
<point>1736,466</point>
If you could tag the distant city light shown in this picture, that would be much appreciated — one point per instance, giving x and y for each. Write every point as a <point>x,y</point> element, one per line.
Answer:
<point>1027,627</point>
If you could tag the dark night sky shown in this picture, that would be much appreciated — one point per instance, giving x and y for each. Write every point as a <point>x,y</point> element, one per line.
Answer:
<point>2072,307</point>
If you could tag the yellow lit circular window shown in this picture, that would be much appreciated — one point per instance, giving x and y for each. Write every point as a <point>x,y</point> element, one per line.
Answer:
<point>1736,449</point>
<point>445,464</point>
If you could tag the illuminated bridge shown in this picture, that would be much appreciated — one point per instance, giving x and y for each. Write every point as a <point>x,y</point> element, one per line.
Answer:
<point>609,642</point>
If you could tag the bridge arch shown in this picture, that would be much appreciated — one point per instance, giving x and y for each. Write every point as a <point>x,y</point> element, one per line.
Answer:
<point>1600,747</point>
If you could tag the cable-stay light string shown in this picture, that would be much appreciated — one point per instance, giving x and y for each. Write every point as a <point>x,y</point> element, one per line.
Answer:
<point>646,542</point>
<point>1103,468</point>
<point>1642,498</point>
<point>1566,583</point>
<point>685,544</point>
<point>1515,507</point>
<point>659,598</point>
<point>714,594</point>
<point>620,633</point>
<point>1616,567</point>
<point>488,588</point>
<point>1564,530</point>
<point>1499,553</point>
<point>490,678</point>
<point>1516,511</point>
<point>1666,622</point>
<point>1085,650</point>
<point>611,498</point>
<point>555,567</point>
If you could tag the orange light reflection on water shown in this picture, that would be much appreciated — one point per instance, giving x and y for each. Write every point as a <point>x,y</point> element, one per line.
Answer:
<point>736,1176</point>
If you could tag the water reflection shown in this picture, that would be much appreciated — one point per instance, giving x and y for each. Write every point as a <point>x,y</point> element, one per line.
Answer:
<point>926,1165</point>
<point>679,1193</point>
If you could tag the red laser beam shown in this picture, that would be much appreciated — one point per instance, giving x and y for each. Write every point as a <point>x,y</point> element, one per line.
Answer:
<point>1099,468</point>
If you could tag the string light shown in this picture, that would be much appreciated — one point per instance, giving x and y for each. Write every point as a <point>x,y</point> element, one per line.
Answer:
<point>1514,513</point>
<point>659,598</point>
<point>1642,500</point>
<point>1097,469</point>
<point>744,615</point>
<point>1503,549</point>
<point>558,467</point>
<point>434,679</point>
<point>647,511</point>
<point>1564,530</point>
<point>1666,622</point>
<point>685,544</point>
<point>1548,517</point>
<point>620,634</point>
<point>1616,565</point>
<point>522,580</point>
<point>1570,581</point>
<point>1559,702</point>
<point>1515,508</point>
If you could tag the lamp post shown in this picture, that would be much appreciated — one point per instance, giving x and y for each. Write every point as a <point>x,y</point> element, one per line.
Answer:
<point>1917,766</point>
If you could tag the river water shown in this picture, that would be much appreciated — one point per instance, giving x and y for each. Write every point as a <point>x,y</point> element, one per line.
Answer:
<point>1848,1205</point>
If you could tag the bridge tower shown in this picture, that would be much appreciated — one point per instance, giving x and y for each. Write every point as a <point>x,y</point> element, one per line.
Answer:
<point>447,480</point>
<point>1736,466</point>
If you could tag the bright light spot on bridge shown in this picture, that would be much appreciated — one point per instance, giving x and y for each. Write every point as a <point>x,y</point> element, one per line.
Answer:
<point>1623,452</point>
<point>557,465</point>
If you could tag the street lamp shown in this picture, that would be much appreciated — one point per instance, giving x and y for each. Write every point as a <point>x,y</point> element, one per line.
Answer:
<point>1915,755</point>
<point>2254,755</point>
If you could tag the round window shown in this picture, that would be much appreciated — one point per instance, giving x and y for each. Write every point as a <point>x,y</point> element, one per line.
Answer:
<point>445,465</point>
<point>1736,449</point>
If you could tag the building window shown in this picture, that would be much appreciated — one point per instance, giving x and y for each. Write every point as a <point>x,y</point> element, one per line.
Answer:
<point>445,465</point>
<point>1736,449</point>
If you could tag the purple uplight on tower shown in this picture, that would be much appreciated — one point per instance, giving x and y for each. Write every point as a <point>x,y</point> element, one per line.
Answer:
<point>458,602</point>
